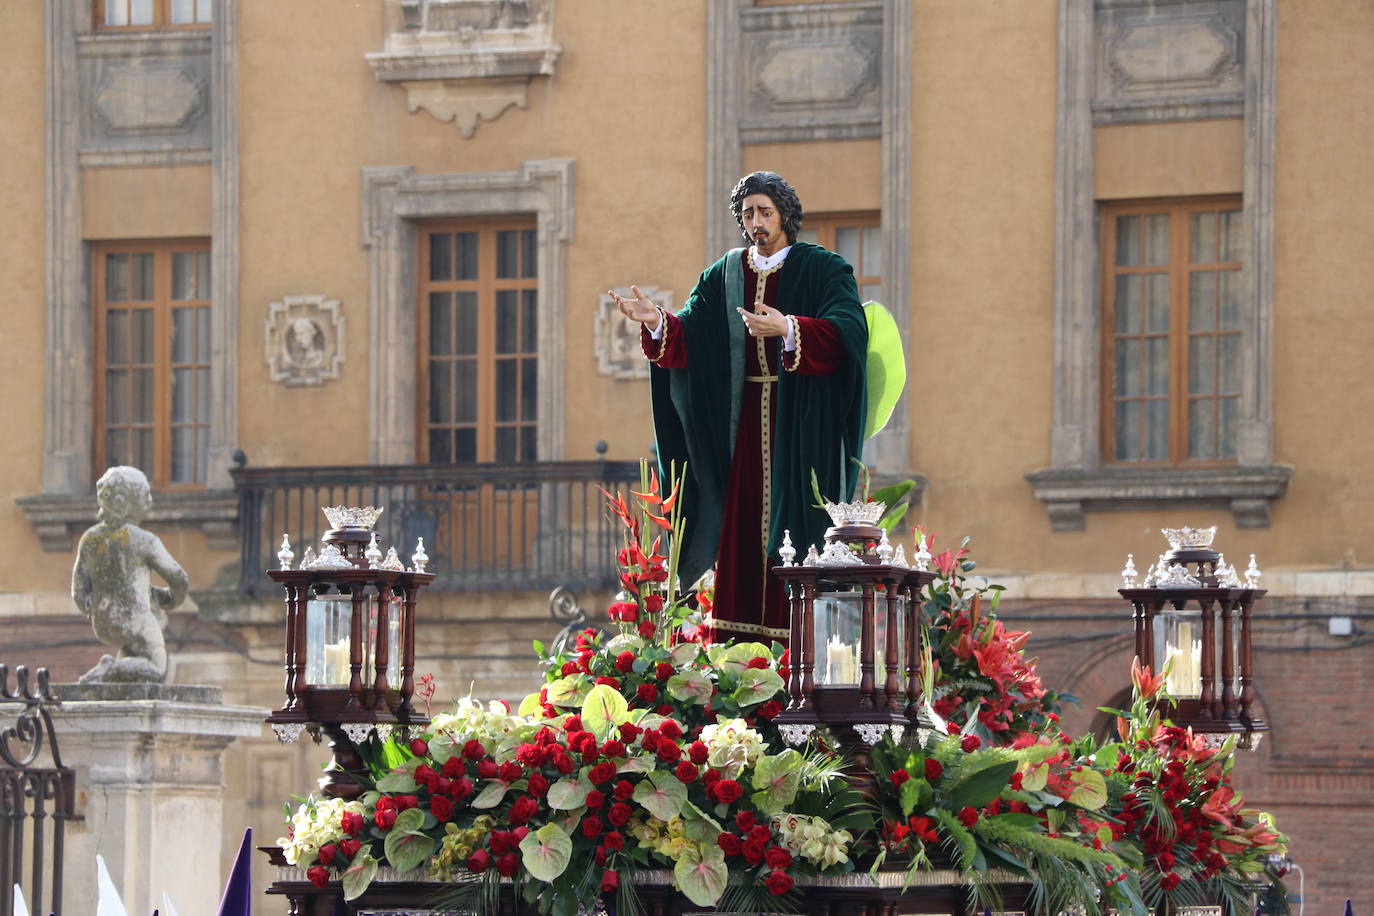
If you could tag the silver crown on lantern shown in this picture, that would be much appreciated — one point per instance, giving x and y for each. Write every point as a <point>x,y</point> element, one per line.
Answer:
<point>1180,538</point>
<point>858,512</point>
<point>360,517</point>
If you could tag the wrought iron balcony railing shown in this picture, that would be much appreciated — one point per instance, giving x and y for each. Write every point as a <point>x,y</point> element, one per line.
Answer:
<point>535,525</point>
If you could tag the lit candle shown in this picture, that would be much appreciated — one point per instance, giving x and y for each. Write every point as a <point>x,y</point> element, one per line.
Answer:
<point>336,662</point>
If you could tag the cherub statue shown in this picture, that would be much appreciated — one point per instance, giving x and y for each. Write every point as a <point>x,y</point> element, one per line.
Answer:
<point>111,585</point>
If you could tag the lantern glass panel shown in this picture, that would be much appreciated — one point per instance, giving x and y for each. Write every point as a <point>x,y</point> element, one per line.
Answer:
<point>839,627</point>
<point>393,640</point>
<point>1179,634</point>
<point>328,619</point>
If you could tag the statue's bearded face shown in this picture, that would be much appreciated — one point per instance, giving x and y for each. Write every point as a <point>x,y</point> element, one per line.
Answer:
<point>763,223</point>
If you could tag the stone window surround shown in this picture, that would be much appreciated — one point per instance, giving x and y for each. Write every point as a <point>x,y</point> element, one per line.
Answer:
<point>65,506</point>
<point>1077,482</point>
<point>395,199</point>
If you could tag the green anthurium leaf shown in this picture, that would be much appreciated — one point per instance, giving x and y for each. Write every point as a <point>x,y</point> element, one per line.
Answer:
<point>638,765</point>
<point>736,657</point>
<point>407,849</point>
<point>546,852</point>
<point>491,794</point>
<point>981,787</point>
<point>568,691</point>
<point>684,653</point>
<point>886,375</point>
<point>625,642</point>
<point>700,826</point>
<point>1034,778</point>
<point>757,685</point>
<point>690,687</point>
<point>569,793</point>
<point>777,778</point>
<point>1090,789</point>
<point>702,877</point>
<point>529,706</point>
<point>602,710</point>
<point>442,747</point>
<point>411,820</point>
<point>359,875</point>
<point>400,781</point>
<point>662,795</point>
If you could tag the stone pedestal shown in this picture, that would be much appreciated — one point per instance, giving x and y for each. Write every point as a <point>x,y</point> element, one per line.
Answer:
<point>149,785</point>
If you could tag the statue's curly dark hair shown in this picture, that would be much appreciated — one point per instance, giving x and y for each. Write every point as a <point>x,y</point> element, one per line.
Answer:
<point>783,195</point>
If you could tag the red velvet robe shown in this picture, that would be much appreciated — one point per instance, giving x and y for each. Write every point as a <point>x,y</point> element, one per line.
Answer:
<point>750,602</point>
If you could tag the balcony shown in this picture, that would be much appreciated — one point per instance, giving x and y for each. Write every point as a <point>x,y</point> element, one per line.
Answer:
<point>535,525</point>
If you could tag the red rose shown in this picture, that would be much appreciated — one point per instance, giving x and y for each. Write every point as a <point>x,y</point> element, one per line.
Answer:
<point>318,875</point>
<point>487,769</point>
<point>753,851</point>
<point>770,710</point>
<point>479,861</point>
<point>649,741</point>
<point>592,827</point>
<point>970,743</point>
<point>698,752</point>
<point>351,823</point>
<point>508,865</point>
<point>898,777</point>
<point>473,750</point>
<point>510,771</point>
<point>442,807</point>
<point>460,788</point>
<point>327,853</point>
<point>686,772</point>
<point>777,857</point>
<point>519,833</point>
<point>745,819</point>
<point>758,661</point>
<point>619,813</point>
<point>646,629</point>
<point>728,843</point>
<point>613,748</point>
<point>538,786</point>
<point>625,662</point>
<point>933,769</point>
<point>623,790</point>
<point>1168,881</point>
<point>569,668</point>
<point>653,603</point>
<point>647,692</point>
<point>727,790</point>
<point>350,848</point>
<point>778,882</point>
<point>629,732</point>
<point>595,799</point>
<point>623,612</point>
<point>967,816</point>
<point>663,671</point>
<point>419,747</point>
<point>602,772</point>
<point>609,881</point>
<point>563,763</point>
<point>1015,781</point>
<point>600,856</point>
<point>758,833</point>
<point>524,808</point>
<point>453,768</point>
<point>406,802</point>
<point>385,817</point>
<point>613,841</point>
<point>670,729</point>
<point>502,841</point>
<point>613,683</point>
<point>426,776</point>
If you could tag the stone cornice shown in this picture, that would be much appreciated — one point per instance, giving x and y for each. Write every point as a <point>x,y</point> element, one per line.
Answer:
<point>59,518</point>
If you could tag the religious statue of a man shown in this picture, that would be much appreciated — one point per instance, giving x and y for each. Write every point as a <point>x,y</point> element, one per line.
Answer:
<point>757,381</point>
<point>111,584</point>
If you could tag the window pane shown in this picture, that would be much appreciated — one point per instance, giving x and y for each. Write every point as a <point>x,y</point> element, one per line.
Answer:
<point>142,396</point>
<point>465,256</point>
<point>1202,297</point>
<point>202,335</point>
<point>1127,367</point>
<point>141,456</point>
<point>507,253</point>
<point>505,443</point>
<point>182,396</point>
<point>1229,369</point>
<point>116,396</point>
<point>1127,241</point>
<point>440,256</point>
<point>1156,430</point>
<point>529,441</point>
<point>143,335</point>
<point>203,275</point>
<point>1127,423</point>
<point>116,12</point>
<point>1157,366</point>
<point>202,452</point>
<point>847,244</point>
<point>507,394</point>
<point>116,277</point>
<point>440,391</point>
<point>183,335</point>
<point>529,390</point>
<point>183,275</point>
<point>1232,296</point>
<point>870,292</point>
<point>440,323</point>
<point>1157,239</point>
<point>873,252</point>
<point>465,445</point>
<point>507,321</point>
<point>529,321</point>
<point>183,454</point>
<point>141,277</point>
<point>117,336</point>
<point>1129,291</point>
<point>183,12</point>
<point>1201,364</point>
<point>1202,229</point>
<point>1157,303</point>
<point>440,446</point>
<point>1232,230</point>
<point>140,12</point>
<point>117,447</point>
<point>465,392</point>
<point>204,10</point>
<point>1230,414</point>
<point>465,323</point>
<point>1202,428</point>
<point>530,256</point>
<point>203,395</point>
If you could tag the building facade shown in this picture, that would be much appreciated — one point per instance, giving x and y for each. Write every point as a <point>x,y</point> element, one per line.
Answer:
<point>280,255</point>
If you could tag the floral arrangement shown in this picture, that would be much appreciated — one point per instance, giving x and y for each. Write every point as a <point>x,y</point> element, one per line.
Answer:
<point>648,750</point>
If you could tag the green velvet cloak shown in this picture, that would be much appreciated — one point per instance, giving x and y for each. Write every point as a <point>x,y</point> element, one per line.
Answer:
<point>819,419</point>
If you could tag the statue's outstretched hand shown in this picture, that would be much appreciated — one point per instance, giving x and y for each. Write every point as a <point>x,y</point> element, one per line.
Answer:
<point>640,308</point>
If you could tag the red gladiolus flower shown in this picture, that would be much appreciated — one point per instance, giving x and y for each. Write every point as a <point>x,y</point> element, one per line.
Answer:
<point>686,772</point>
<point>350,848</point>
<point>728,843</point>
<point>934,770</point>
<point>327,853</point>
<point>898,777</point>
<point>318,875</point>
<point>508,865</point>
<point>479,861</point>
<point>967,816</point>
<point>970,743</point>
<point>609,881</point>
<point>351,823</point>
<point>727,790</point>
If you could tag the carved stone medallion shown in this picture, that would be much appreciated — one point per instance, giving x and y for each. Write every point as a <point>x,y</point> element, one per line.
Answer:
<point>305,340</point>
